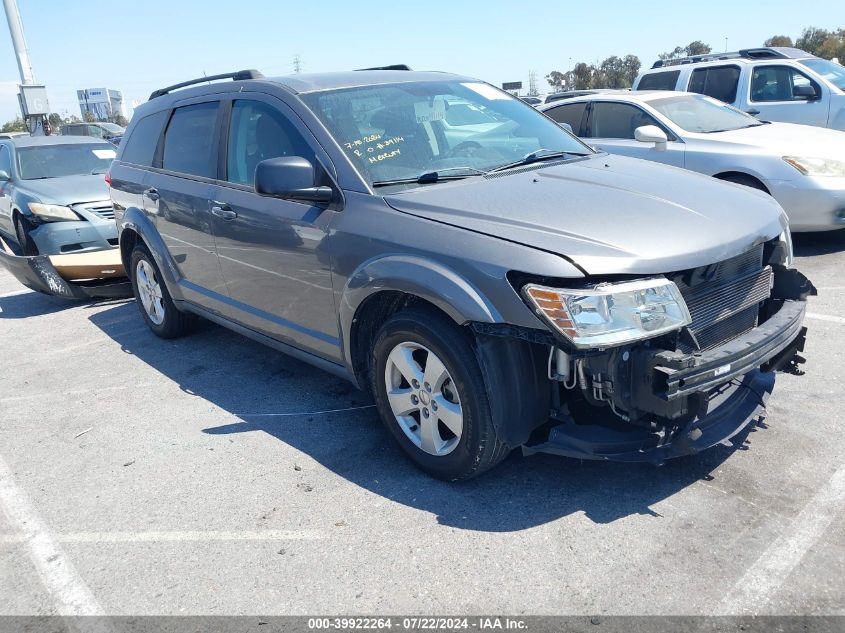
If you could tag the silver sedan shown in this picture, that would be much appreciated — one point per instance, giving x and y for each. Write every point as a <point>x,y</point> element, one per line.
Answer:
<point>802,167</point>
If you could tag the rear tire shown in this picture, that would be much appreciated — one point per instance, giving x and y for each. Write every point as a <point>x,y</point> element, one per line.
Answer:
<point>153,299</point>
<point>431,395</point>
<point>23,228</point>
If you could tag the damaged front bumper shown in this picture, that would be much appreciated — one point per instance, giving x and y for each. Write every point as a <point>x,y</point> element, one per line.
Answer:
<point>679,403</point>
<point>58,275</point>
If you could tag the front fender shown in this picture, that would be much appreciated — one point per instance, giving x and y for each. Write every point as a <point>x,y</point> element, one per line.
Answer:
<point>429,280</point>
<point>136,220</point>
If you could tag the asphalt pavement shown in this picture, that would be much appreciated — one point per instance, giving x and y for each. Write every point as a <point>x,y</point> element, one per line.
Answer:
<point>211,475</point>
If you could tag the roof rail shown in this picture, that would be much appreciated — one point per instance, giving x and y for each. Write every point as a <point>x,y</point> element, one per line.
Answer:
<point>765,52</point>
<point>390,67</point>
<point>236,76</point>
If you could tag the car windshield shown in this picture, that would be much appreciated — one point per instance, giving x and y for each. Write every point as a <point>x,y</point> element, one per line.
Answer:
<point>55,161</point>
<point>834,73</point>
<point>697,113</point>
<point>403,131</point>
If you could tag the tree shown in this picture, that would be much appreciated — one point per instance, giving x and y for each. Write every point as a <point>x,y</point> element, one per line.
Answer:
<point>556,79</point>
<point>693,48</point>
<point>56,121</point>
<point>697,48</point>
<point>778,40</point>
<point>582,76</point>
<point>812,39</point>
<point>16,125</point>
<point>833,46</point>
<point>119,119</point>
<point>89,117</point>
<point>631,67</point>
<point>611,74</point>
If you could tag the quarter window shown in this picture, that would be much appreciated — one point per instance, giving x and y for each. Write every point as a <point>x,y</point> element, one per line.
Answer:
<point>571,113</point>
<point>617,120</point>
<point>719,82</point>
<point>776,83</point>
<point>659,81</point>
<point>257,132</point>
<point>189,140</point>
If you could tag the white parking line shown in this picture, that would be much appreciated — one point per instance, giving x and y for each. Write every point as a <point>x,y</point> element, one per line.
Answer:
<point>765,576</point>
<point>67,589</point>
<point>174,537</point>
<point>15,293</point>
<point>825,317</point>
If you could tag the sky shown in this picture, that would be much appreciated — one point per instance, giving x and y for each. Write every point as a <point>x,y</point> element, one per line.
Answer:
<point>136,47</point>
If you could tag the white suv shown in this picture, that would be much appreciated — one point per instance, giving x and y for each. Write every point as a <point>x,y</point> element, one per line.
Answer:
<point>774,84</point>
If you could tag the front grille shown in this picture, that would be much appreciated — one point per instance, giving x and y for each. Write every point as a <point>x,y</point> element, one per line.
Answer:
<point>724,299</point>
<point>105,211</point>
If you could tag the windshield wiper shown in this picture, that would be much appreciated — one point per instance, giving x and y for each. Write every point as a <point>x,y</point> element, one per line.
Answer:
<point>536,156</point>
<point>432,176</point>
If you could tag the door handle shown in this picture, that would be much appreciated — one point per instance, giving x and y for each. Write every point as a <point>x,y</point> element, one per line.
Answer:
<point>152,194</point>
<point>753,112</point>
<point>223,211</point>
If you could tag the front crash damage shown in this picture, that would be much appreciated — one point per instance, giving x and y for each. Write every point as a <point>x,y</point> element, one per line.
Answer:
<point>662,399</point>
<point>83,276</point>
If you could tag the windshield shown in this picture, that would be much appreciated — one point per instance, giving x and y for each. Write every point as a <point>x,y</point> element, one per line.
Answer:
<point>401,131</point>
<point>834,73</point>
<point>55,161</point>
<point>697,113</point>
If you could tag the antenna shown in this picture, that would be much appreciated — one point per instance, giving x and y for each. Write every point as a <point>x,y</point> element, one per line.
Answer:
<point>297,63</point>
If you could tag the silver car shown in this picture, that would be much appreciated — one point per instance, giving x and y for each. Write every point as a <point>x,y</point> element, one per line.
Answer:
<point>802,167</point>
<point>53,194</point>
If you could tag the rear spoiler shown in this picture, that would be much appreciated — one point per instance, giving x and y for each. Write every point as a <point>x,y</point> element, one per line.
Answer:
<point>97,275</point>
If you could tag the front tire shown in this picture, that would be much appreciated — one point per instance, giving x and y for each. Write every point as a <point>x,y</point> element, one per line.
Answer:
<point>153,299</point>
<point>431,395</point>
<point>23,228</point>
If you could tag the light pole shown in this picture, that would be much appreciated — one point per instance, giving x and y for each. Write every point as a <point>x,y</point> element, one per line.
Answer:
<point>32,97</point>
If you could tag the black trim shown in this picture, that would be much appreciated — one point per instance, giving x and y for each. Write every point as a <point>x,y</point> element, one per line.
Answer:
<point>676,375</point>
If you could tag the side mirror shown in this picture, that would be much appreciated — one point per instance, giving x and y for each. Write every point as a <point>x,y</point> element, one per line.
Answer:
<point>567,127</point>
<point>651,134</point>
<point>806,91</point>
<point>290,178</point>
<point>4,176</point>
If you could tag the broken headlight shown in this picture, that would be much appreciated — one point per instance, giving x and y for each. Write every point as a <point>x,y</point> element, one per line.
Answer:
<point>612,313</point>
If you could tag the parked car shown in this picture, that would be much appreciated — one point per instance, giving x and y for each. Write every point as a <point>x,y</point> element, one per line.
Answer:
<point>512,288</point>
<point>105,131</point>
<point>13,134</point>
<point>534,101</point>
<point>53,195</point>
<point>802,167</point>
<point>571,94</point>
<point>773,84</point>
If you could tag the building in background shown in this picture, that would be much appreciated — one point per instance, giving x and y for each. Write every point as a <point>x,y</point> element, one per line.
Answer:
<point>101,103</point>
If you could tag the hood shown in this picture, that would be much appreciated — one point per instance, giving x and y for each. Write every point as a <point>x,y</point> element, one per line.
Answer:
<point>607,214</point>
<point>68,189</point>
<point>787,139</point>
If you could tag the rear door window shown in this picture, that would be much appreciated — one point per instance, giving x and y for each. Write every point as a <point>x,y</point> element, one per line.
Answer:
<point>659,81</point>
<point>141,146</point>
<point>190,140</point>
<point>617,120</point>
<point>776,83</point>
<point>571,113</point>
<point>719,82</point>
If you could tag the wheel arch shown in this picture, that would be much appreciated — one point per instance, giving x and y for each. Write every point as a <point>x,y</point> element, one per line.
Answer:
<point>135,228</point>
<point>382,286</point>
<point>729,175</point>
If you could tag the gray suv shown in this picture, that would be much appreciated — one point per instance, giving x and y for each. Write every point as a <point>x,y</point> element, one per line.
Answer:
<point>493,281</point>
